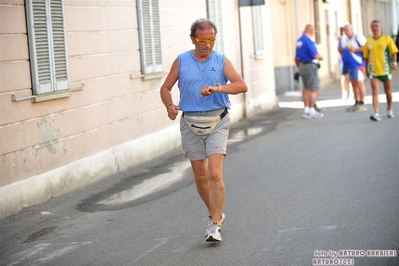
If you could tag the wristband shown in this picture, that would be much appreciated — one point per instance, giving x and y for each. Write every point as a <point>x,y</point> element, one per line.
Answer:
<point>219,87</point>
<point>167,107</point>
<point>394,63</point>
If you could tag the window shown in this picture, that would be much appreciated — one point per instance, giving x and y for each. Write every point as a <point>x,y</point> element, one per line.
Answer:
<point>47,46</point>
<point>215,15</point>
<point>150,36</point>
<point>317,21</point>
<point>257,21</point>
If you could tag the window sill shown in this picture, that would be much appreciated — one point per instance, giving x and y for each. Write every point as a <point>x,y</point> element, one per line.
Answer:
<point>47,97</point>
<point>51,96</point>
<point>153,76</point>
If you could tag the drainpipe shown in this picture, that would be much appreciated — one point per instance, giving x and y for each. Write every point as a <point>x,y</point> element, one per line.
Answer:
<point>296,20</point>
<point>395,9</point>
<point>289,45</point>
<point>244,97</point>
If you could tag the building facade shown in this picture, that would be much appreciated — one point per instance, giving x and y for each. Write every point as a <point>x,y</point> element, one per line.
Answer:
<point>386,11</point>
<point>79,85</point>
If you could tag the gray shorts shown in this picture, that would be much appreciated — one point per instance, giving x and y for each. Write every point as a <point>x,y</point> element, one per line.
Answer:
<point>310,76</point>
<point>197,147</point>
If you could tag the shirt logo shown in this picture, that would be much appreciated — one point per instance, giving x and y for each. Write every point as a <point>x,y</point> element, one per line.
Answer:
<point>370,46</point>
<point>213,69</point>
<point>299,44</point>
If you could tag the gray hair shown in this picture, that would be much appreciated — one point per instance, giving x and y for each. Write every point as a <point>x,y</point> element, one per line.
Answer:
<point>348,25</point>
<point>202,24</point>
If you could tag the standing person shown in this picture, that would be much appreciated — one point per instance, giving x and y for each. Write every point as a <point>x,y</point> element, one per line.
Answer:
<point>351,47</point>
<point>202,76</point>
<point>346,87</point>
<point>307,59</point>
<point>380,54</point>
<point>397,43</point>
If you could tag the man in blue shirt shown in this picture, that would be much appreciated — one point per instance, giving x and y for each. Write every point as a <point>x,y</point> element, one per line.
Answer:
<point>202,75</point>
<point>351,47</point>
<point>307,59</point>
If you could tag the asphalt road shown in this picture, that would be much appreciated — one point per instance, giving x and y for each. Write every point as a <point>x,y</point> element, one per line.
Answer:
<point>297,192</point>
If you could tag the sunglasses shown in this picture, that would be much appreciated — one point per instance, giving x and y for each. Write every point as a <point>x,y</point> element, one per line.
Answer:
<point>201,41</point>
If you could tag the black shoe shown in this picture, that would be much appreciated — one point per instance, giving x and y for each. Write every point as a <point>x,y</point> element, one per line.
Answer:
<point>319,109</point>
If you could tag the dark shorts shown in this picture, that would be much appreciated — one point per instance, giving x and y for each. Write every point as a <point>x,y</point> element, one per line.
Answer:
<point>382,78</point>
<point>310,76</point>
<point>344,69</point>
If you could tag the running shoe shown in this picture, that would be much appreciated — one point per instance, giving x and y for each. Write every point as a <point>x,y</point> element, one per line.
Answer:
<point>390,113</point>
<point>214,233</point>
<point>360,108</point>
<point>317,115</point>
<point>306,115</point>
<point>210,221</point>
<point>375,117</point>
<point>319,109</point>
<point>352,108</point>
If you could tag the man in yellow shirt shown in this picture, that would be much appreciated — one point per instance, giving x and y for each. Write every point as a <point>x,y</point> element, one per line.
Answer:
<point>380,54</point>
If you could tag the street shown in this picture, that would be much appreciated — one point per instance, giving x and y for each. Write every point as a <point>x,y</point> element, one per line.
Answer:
<point>299,192</point>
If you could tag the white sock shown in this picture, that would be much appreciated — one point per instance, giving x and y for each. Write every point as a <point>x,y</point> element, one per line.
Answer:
<point>306,110</point>
<point>312,110</point>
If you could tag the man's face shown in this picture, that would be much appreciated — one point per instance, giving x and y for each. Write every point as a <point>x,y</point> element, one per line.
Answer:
<point>204,49</point>
<point>312,31</point>
<point>348,31</point>
<point>376,28</point>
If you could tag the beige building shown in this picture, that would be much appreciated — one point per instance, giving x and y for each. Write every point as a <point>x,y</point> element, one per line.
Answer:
<point>386,11</point>
<point>80,79</point>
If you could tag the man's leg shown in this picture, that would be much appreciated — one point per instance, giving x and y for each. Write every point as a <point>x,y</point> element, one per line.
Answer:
<point>345,86</point>
<point>362,90</point>
<point>209,182</point>
<point>353,81</point>
<point>305,98</point>
<point>388,92</point>
<point>358,86</point>
<point>356,92</point>
<point>217,191</point>
<point>313,113</point>
<point>200,170</point>
<point>375,90</point>
<point>306,106</point>
<point>312,98</point>
<point>358,79</point>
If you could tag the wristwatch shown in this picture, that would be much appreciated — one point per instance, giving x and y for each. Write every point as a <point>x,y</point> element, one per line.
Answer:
<point>394,63</point>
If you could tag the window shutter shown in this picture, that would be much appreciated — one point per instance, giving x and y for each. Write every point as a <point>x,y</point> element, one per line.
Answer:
<point>150,36</point>
<point>215,15</point>
<point>257,21</point>
<point>47,46</point>
<point>59,45</point>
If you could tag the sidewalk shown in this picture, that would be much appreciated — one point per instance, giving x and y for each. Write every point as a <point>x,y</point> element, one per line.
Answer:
<point>330,96</point>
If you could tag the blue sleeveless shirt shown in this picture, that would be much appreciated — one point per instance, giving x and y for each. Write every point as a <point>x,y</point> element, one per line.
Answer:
<point>193,75</point>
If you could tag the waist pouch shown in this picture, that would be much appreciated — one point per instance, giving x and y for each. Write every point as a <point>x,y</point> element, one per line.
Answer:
<point>201,123</point>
